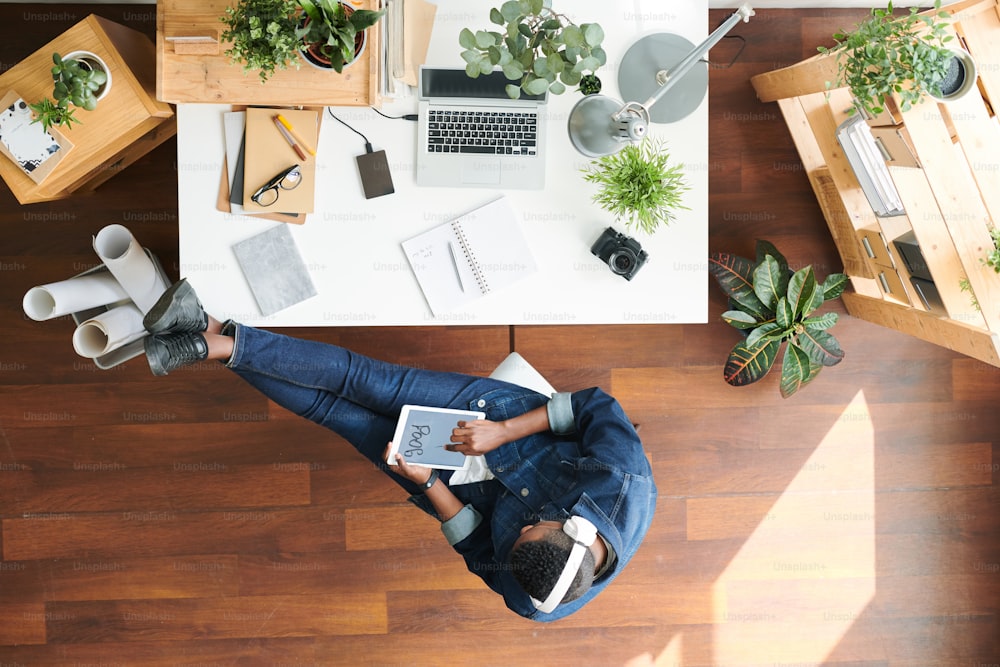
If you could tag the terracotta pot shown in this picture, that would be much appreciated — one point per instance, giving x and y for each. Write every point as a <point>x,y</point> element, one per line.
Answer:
<point>312,54</point>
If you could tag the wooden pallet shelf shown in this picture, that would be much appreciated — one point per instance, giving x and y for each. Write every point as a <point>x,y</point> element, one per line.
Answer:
<point>950,188</point>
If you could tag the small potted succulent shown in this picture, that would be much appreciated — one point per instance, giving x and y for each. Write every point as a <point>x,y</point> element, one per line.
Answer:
<point>639,185</point>
<point>333,33</point>
<point>905,55</point>
<point>774,305</point>
<point>80,79</point>
<point>262,35</point>
<point>536,47</point>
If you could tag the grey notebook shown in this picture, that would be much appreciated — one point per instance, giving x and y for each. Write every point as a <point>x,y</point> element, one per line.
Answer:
<point>274,269</point>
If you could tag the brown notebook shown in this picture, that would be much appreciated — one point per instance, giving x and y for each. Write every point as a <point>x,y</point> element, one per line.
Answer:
<point>268,153</point>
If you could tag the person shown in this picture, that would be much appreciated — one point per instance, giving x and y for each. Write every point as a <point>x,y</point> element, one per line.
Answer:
<point>560,495</point>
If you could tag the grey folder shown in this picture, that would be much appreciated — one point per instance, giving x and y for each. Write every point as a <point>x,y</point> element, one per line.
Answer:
<point>274,269</point>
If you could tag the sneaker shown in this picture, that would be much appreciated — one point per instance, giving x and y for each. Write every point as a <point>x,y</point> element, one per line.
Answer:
<point>171,351</point>
<point>178,310</point>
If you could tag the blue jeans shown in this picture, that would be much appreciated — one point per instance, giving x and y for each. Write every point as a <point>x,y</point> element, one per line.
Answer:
<point>355,396</point>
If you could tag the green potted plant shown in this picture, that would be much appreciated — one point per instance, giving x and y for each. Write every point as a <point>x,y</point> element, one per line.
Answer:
<point>905,55</point>
<point>774,305</point>
<point>80,79</point>
<point>639,185</point>
<point>537,47</point>
<point>262,35</point>
<point>333,33</point>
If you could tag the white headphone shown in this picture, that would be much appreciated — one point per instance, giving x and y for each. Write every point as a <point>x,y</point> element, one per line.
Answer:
<point>583,534</point>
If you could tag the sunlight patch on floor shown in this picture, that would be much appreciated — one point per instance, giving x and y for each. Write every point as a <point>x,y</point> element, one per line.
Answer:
<point>808,571</point>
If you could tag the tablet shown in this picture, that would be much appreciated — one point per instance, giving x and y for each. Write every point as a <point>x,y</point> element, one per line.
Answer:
<point>422,433</point>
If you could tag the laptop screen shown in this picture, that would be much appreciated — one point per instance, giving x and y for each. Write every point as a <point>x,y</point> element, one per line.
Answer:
<point>455,83</point>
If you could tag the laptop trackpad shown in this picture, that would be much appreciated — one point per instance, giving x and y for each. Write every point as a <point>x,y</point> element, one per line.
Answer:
<point>481,172</point>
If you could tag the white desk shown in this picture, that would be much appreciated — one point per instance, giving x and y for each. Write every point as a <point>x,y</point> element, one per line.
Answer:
<point>351,245</point>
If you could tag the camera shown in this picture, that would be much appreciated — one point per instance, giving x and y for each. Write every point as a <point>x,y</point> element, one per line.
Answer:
<point>622,253</point>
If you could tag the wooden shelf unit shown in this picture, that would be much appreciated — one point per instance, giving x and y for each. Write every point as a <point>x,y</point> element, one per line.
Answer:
<point>952,199</point>
<point>126,125</point>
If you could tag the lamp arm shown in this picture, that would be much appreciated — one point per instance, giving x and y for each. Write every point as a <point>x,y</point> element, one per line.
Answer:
<point>744,12</point>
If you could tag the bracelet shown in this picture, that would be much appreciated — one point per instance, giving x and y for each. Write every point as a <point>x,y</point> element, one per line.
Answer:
<point>430,480</point>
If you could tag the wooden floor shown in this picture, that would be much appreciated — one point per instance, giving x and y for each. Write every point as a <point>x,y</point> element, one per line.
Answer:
<point>187,521</point>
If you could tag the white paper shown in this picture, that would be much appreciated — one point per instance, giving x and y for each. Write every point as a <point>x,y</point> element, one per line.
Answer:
<point>130,264</point>
<point>92,290</point>
<point>108,331</point>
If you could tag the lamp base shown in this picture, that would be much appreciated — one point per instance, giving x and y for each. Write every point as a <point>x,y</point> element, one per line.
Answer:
<point>590,126</point>
<point>655,53</point>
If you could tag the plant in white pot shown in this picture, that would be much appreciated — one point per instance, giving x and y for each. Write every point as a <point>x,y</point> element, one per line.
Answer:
<point>333,33</point>
<point>906,55</point>
<point>80,79</point>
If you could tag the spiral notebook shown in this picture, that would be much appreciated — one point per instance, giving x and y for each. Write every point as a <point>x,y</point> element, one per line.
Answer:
<point>470,257</point>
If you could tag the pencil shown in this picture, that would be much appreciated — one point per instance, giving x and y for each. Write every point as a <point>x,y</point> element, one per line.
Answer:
<point>288,126</point>
<point>288,137</point>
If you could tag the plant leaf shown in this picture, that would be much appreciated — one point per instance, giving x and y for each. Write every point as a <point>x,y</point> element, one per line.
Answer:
<point>795,370</point>
<point>821,347</point>
<point>834,285</point>
<point>769,282</point>
<point>768,331</point>
<point>802,290</point>
<point>784,314</point>
<point>765,248</point>
<point>734,275</point>
<point>821,323</point>
<point>749,364</point>
<point>739,319</point>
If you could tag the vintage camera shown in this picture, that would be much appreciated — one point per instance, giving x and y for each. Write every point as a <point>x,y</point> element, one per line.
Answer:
<point>622,253</point>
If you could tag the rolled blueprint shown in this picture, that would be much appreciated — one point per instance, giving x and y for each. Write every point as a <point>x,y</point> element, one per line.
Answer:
<point>133,268</point>
<point>91,290</point>
<point>108,331</point>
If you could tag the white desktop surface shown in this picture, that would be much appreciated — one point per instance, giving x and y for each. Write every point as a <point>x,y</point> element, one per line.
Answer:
<point>351,246</point>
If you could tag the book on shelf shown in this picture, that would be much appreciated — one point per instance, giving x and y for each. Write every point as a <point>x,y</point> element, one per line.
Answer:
<point>869,166</point>
<point>469,257</point>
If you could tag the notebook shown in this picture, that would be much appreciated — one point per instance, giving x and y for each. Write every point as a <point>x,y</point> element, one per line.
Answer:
<point>30,146</point>
<point>469,257</point>
<point>422,432</point>
<point>274,269</point>
<point>268,153</point>
<point>471,133</point>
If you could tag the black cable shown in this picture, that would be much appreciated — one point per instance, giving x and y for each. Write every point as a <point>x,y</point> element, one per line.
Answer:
<point>368,144</point>
<point>732,62</point>
<point>409,116</point>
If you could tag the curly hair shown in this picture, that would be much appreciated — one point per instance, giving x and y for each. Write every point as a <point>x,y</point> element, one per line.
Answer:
<point>537,565</point>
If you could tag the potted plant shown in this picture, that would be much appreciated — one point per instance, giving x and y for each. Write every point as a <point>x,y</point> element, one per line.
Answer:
<point>333,33</point>
<point>80,79</point>
<point>774,305</point>
<point>537,47</point>
<point>904,55</point>
<point>639,185</point>
<point>262,33</point>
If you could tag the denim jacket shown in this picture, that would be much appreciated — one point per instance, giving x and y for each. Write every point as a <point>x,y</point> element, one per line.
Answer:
<point>590,463</point>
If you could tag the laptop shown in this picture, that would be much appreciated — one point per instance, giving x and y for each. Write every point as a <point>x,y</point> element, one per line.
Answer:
<point>471,134</point>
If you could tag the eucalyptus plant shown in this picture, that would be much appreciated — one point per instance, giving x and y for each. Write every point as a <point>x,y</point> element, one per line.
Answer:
<point>262,33</point>
<point>774,305</point>
<point>885,54</point>
<point>74,85</point>
<point>536,47</point>
<point>639,185</point>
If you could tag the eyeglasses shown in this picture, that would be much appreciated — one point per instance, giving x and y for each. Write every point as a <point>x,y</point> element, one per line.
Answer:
<point>268,193</point>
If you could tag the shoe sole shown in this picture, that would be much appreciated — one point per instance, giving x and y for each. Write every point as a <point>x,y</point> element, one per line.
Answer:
<point>170,296</point>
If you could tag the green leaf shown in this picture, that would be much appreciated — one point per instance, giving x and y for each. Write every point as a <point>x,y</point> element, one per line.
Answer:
<point>834,286</point>
<point>766,331</point>
<point>472,70</point>
<point>821,323</point>
<point>484,39</point>
<point>535,86</point>
<point>467,39</point>
<point>784,314</point>
<point>739,319</point>
<point>821,347</point>
<point>471,56</point>
<point>511,10</point>
<point>557,88</point>
<point>572,36</point>
<point>795,370</point>
<point>769,282</point>
<point>734,276</point>
<point>593,34</point>
<point>765,248</point>
<point>513,92</point>
<point>513,71</point>
<point>485,66</point>
<point>497,17</point>
<point>749,364</point>
<point>801,290</point>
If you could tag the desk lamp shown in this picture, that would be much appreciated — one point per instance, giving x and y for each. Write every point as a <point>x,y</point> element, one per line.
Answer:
<point>600,125</point>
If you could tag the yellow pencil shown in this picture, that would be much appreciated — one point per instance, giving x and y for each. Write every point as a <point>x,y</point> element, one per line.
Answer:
<point>288,126</point>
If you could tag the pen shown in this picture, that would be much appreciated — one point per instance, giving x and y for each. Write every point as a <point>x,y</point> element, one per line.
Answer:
<point>288,126</point>
<point>288,137</point>
<point>454,262</point>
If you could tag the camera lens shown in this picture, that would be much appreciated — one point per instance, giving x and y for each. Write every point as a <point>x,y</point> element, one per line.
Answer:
<point>622,261</point>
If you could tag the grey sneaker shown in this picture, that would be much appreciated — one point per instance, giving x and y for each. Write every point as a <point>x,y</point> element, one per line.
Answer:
<point>178,310</point>
<point>171,351</point>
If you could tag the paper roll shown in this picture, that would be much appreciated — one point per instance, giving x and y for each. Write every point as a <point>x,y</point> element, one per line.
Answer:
<point>133,268</point>
<point>108,331</point>
<point>99,288</point>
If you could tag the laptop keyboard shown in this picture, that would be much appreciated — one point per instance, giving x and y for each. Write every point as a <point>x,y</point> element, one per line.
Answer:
<point>485,132</point>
